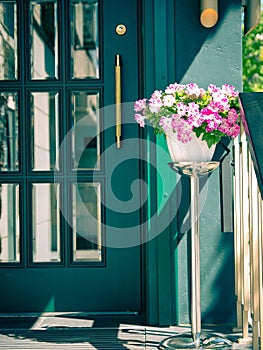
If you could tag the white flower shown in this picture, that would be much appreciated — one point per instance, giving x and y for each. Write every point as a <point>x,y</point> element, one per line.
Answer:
<point>168,100</point>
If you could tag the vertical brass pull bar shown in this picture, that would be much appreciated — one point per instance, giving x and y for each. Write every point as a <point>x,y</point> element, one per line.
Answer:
<point>118,99</point>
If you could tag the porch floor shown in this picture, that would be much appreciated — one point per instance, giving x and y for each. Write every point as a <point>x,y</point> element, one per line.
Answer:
<point>66,331</point>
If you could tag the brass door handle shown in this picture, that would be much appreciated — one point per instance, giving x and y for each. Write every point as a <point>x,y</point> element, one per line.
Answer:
<point>118,99</point>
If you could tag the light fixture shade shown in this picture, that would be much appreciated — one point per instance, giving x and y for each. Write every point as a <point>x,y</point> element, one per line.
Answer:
<point>209,12</point>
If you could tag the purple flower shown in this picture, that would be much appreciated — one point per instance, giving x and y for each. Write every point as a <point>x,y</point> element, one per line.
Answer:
<point>182,129</point>
<point>166,123</point>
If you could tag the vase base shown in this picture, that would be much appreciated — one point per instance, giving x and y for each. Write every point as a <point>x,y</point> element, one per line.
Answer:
<point>197,169</point>
<point>204,341</point>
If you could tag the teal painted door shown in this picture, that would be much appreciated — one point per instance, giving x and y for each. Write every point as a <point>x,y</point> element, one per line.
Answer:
<point>70,219</point>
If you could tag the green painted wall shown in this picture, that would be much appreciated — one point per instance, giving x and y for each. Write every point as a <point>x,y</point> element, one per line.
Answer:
<point>184,51</point>
<point>209,56</point>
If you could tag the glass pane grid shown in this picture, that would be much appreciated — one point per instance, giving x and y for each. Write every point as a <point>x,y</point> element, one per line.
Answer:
<point>37,160</point>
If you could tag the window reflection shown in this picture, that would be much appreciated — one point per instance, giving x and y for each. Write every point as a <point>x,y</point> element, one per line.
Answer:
<point>84,43</point>
<point>8,41</point>
<point>86,222</point>
<point>8,132</point>
<point>44,46</point>
<point>9,223</point>
<point>45,130</point>
<point>86,145</point>
<point>46,223</point>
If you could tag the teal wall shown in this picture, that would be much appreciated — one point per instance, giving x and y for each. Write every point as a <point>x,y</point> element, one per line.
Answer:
<point>209,56</point>
<point>178,48</point>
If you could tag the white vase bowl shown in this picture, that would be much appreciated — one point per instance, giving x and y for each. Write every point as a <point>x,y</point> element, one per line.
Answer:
<point>194,151</point>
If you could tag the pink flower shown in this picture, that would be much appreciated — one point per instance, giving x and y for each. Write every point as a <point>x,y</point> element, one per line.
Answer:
<point>232,116</point>
<point>140,119</point>
<point>212,88</point>
<point>140,105</point>
<point>181,109</point>
<point>156,94</point>
<point>173,88</point>
<point>221,100</point>
<point>155,104</point>
<point>195,120</point>
<point>229,90</point>
<point>193,89</point>
<point>231,130</point>
<point>212,118</point>
<point>211,125</point>
<point>193,108</point>
<point>186,109</point>
<point>207,112</point>
<point>235,130</point>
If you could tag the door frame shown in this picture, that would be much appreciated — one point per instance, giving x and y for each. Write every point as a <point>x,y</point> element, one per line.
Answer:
<point>158,70</point>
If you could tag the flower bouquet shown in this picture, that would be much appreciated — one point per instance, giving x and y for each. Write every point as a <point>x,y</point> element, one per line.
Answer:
<point>187,112</point>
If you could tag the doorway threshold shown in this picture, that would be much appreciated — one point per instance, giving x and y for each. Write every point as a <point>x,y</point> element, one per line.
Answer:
<point>48,320</point>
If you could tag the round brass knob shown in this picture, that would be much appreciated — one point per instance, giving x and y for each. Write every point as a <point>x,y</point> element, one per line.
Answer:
<point>121,29</point>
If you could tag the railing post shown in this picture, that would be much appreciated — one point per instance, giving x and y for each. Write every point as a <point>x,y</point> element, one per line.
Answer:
<point>245,234</point>
<point>254,252</point>
<point>260,249</point>
<point>244,238</point>
<point>237,234</point>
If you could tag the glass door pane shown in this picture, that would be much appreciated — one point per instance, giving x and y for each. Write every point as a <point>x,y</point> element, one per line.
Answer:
<point>8,40</point>
<point>85,39</point>
<point>9,223</point>
<point>45,140</point>
<point>8,132</point>
<point>46,223</point>
<point>86,222</point>
<point>86,140</point>
<point>44,44</point>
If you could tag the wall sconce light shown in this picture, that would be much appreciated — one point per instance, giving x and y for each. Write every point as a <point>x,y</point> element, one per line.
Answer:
<point>209,13</point>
